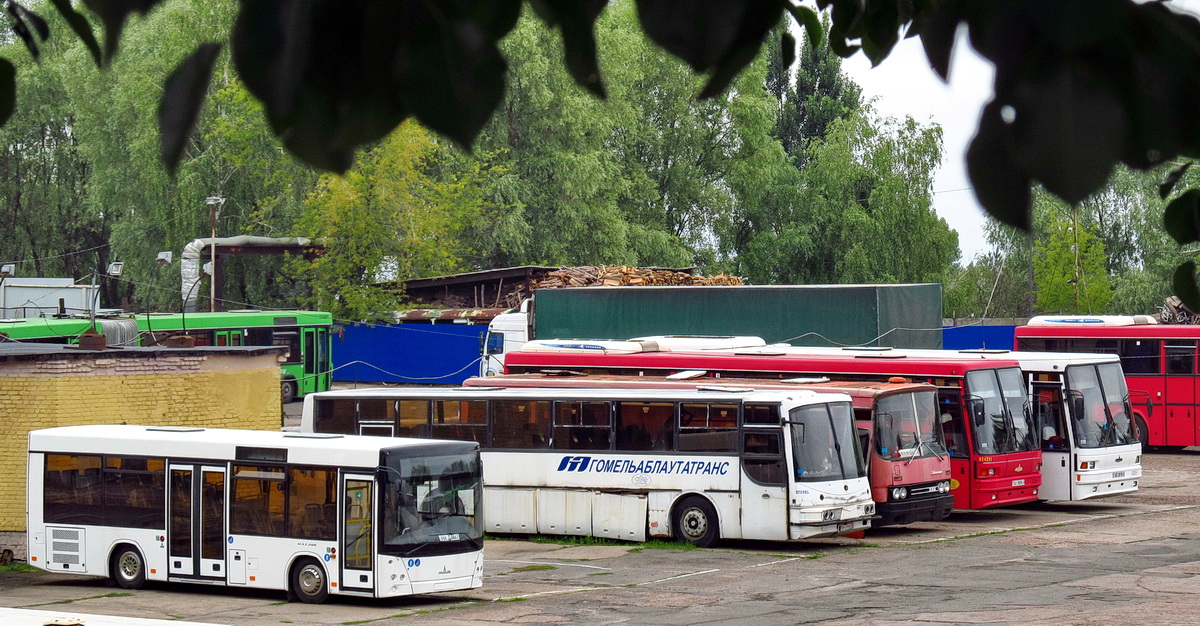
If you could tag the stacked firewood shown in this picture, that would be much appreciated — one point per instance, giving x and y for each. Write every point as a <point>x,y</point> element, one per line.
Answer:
<point>623,275</point>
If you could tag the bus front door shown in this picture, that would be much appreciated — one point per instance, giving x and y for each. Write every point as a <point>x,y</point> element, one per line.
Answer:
<point>1180,393</point>
<point>357,533</point>
<point>764,485</point>
<point>197,529</point>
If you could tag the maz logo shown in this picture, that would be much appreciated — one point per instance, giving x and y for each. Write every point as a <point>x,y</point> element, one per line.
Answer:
<point>574,463</point>
<point>445,570</point>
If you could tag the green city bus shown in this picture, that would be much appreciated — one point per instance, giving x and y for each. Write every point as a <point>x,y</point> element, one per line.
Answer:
<point>307,334</point>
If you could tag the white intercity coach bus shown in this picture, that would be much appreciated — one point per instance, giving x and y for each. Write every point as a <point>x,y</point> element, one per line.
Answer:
<point>310,514</point>
<point>696,465</point>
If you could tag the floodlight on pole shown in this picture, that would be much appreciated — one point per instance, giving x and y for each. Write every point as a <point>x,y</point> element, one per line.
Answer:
<point>214,209</point>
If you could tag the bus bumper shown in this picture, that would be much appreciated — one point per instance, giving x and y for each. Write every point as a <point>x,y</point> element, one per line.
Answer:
<point>1105,483</point>
<point>908,511</point>
<point>829,529</point>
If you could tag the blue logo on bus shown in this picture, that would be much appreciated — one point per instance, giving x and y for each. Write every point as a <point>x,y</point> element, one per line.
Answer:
<point>574,463</point>
<point>414,562</point>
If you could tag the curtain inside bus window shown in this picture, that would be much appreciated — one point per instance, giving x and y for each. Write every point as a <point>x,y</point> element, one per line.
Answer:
<point>414,418</point>
<point>645,426</point>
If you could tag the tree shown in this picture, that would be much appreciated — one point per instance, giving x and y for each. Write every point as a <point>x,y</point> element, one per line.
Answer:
<point>391,219</point>
<point>1070,273</point>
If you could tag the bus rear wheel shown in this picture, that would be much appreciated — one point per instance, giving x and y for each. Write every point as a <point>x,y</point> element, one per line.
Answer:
<point>695,522</point>
<point>287,390</point>
<point>1143,434</point>
<point>308,582</point>
<point>128,568</point>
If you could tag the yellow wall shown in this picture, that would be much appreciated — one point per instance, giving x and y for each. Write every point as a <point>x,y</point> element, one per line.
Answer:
<point>215,391</point>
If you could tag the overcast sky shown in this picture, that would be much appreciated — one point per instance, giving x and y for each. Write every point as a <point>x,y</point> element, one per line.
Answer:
<point>903,85</point>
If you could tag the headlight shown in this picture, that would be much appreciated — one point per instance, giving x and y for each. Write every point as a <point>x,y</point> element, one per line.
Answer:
<point>944,486</point>
<point>831,515</point>
<point>899,493</point>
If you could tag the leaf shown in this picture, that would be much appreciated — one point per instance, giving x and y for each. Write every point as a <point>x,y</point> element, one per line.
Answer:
<point>719,37</point>
<point>938,27</point>
<point>39,24</point>
<point>787,49</point>
<point>447,72</point>
<point>113,14</point>
<point>577,21</point>
<point>179,107</point>
<point>1001,187</point>
<point>1165,188</point>
<point>1184,285</point>
<point>811,22</point>
<point>21,29</point>
<point>8,90</point>
<point>1058,116</point>
<point>1181,218</point>
<point>82,28</point>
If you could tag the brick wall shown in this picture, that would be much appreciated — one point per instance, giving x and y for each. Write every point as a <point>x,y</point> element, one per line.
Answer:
<point>209,390</point>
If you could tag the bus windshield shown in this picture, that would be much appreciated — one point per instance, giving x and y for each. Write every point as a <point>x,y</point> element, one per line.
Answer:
<point>1099,406</point>
<point>906,426</point>
<point>431,503</point>
<point>824,445</point>
<point>999,410</point>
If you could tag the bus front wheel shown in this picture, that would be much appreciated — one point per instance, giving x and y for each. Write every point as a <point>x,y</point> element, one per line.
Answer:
<point>308,582</point>
<point>128,568</point>
<point>695,522</point>
<point>287,389</point>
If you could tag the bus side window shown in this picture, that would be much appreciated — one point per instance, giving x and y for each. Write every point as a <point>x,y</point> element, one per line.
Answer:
<point>762,456</point>
<point>520,424</point>
<point>72,492</point>
<point>335,416</point>
<point>633,429</point>
<point>953,428</point>
<point>460,419</point>
<point>582,425</point>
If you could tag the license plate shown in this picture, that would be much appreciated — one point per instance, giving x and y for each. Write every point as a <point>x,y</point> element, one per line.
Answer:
<point>1118,474</point>
<point>844,526</point>
<point>1020,482</point>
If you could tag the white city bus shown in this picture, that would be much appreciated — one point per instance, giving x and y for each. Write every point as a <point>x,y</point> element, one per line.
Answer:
<point>626,464</point>
<point>310,514</point>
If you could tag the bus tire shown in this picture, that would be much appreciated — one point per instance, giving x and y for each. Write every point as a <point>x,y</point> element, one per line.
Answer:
<point>287,390</point>
<point>1143,433</point>
<point>307,582</point>
<point>128,568</point>
<point>695,521</point>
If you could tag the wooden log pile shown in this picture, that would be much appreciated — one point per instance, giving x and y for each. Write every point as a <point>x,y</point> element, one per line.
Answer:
<point>623,275</point>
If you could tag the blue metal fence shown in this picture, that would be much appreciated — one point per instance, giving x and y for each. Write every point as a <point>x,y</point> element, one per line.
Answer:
<point>426,354</point>
<point>969,337</point>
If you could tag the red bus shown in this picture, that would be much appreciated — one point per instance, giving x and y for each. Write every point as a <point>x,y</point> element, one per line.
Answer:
<point>1159,361</point>
<point>903,446</point>
<point>989,429</point>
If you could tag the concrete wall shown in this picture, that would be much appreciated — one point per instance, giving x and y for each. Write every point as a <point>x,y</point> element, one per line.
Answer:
<point>189,387</point>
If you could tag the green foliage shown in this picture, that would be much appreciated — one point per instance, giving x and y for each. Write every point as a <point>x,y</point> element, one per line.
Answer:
<point>388,219</point>
<point>1069,271</point>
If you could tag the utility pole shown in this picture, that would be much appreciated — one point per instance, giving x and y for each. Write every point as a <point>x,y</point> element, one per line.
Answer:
<point>214,209</point>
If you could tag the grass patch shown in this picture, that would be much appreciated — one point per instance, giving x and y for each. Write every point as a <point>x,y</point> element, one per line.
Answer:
<point>601,574</point>
<point>533,568</point>
<point>664,545</point>
<point>420,612</point>
<point>574,540</point>
<point>115,594</point>
<point>517,599</point>
<point>18,567</point>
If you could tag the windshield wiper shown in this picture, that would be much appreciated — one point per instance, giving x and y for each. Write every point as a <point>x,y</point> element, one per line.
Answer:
<point>921,442</point>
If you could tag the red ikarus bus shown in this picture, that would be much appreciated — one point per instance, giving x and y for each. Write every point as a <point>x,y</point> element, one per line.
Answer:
<point>983,406</point>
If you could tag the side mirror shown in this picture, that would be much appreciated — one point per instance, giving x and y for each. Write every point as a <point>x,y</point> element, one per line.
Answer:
<point>978,417</point>
<point>1077,408</point>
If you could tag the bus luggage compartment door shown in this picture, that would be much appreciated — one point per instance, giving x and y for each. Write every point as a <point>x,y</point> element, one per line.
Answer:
<point>619,516</point>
